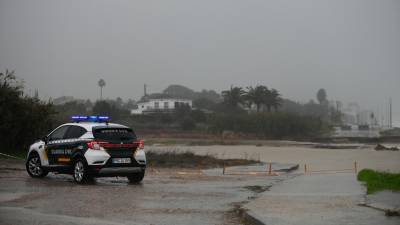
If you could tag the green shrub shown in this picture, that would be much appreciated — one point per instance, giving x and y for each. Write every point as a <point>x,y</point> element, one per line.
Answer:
<point>188,124</point>
<point>377,181</point>
<point>268,125</point>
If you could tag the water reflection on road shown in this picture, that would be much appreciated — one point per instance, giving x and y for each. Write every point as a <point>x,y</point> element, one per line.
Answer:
<point>164,197</point>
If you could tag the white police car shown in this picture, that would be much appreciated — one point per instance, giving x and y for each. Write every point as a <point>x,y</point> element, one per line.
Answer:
<point>87,148</point>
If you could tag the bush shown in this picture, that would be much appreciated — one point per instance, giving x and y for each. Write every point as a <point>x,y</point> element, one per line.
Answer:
<point>188,124</point>
<point>378,181</point>
<point>198,116</point>
<point>23,119</point>
<point>268,125</point>
<point>110,109</point>
<point>66,110</point>
<point>172,159</point>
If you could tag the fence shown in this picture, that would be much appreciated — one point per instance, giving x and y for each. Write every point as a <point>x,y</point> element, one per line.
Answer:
<point>267,172</point>
<point>354,169</point>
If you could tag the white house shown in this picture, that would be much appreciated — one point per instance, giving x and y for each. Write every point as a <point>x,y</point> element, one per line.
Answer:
<point>159,105</point>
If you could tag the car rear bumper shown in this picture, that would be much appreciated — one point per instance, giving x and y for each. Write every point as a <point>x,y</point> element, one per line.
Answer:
<point>117,171</point>
<point>120,170</point>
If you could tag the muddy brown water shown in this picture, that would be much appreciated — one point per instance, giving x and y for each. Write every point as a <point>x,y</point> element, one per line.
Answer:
<point>316,159</point>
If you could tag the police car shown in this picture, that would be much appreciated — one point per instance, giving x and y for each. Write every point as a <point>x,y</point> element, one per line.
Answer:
<point>88,147</point>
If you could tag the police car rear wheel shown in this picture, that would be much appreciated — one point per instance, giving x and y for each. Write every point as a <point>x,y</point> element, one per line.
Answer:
<point>34,167</point>
<point>136,178</point>
<point>81,174</point>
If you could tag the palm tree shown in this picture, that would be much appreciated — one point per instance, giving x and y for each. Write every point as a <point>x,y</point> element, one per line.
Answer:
<point>322,96</point>
<point>248,97</point>
<point>256,96</point>
<point>272,99</point>
<point>276,100</point>
<point>101,84</point>
<point>234,96</point>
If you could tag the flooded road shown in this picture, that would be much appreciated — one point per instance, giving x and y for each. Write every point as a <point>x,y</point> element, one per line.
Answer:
<point>315,158</point>
<point>166,196</point>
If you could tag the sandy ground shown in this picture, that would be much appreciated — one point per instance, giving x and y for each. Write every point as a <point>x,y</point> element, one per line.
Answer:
<point>316,159</point>
<point>166,196</point>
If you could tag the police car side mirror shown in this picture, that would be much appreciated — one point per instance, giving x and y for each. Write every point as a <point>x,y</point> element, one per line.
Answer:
<point>44,139</point>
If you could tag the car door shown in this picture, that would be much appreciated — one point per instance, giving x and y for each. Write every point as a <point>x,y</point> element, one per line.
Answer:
<point>72,143</point>
<point>55,144</point>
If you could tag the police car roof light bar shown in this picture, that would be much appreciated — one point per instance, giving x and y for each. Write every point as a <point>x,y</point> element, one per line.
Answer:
<point>98,119</point>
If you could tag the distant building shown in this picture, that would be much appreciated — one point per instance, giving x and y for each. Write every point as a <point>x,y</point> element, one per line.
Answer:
<point>350,114</point>
<point>63,99</point>
<point>364,118</point>
<point>163,105</point>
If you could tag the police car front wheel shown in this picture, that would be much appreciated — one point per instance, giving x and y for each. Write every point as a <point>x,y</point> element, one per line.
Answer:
<point>34,167</point>
<point>81,173</point>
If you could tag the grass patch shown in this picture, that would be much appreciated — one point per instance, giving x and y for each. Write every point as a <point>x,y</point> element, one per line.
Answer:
<point>191,160</point>
<point>19,154</point>
<point>378,181</point>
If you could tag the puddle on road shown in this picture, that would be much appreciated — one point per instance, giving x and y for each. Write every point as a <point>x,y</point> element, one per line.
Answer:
<point>164,197</point>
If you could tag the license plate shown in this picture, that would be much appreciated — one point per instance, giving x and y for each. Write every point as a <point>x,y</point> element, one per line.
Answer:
<point>121,160</point>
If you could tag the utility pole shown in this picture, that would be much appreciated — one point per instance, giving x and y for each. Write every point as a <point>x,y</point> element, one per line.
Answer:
<point>145,90</point>
<point>101,84</point>
<point>390,113</point>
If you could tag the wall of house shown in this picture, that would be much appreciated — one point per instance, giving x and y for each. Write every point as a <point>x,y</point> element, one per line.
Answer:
<point>160,105</point>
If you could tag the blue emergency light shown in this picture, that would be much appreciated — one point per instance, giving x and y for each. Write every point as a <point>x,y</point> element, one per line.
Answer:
<point>98,119</point>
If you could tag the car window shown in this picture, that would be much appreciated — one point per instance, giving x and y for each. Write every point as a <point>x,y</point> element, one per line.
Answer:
<point>58,133</point>
<point>114,134</point>
<point>74,132</point>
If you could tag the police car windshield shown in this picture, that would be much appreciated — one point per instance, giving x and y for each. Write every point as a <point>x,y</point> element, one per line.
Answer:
<point>114,134</point>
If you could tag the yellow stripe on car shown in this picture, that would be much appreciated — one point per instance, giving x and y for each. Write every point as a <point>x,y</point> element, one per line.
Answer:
<point>64,159</point>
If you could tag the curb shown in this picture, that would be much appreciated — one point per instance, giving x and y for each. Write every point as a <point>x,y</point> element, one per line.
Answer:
<point>247,218</point>
<point>245,214</point>
<point>387,210</point>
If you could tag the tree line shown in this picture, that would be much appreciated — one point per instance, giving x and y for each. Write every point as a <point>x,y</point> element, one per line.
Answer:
<point>252,111</point>
<point>258,96</point>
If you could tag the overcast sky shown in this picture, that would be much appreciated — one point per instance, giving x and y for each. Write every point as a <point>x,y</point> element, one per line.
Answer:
<point>350,48</point>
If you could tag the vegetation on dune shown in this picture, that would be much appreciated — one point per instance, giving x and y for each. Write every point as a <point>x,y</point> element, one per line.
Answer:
<point>179,91</point>
<point>191,160</point>
<point>377,181</point>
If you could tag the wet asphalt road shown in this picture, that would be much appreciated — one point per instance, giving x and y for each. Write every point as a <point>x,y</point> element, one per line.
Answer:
<point>168,196</point>
<point>320,199</point>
